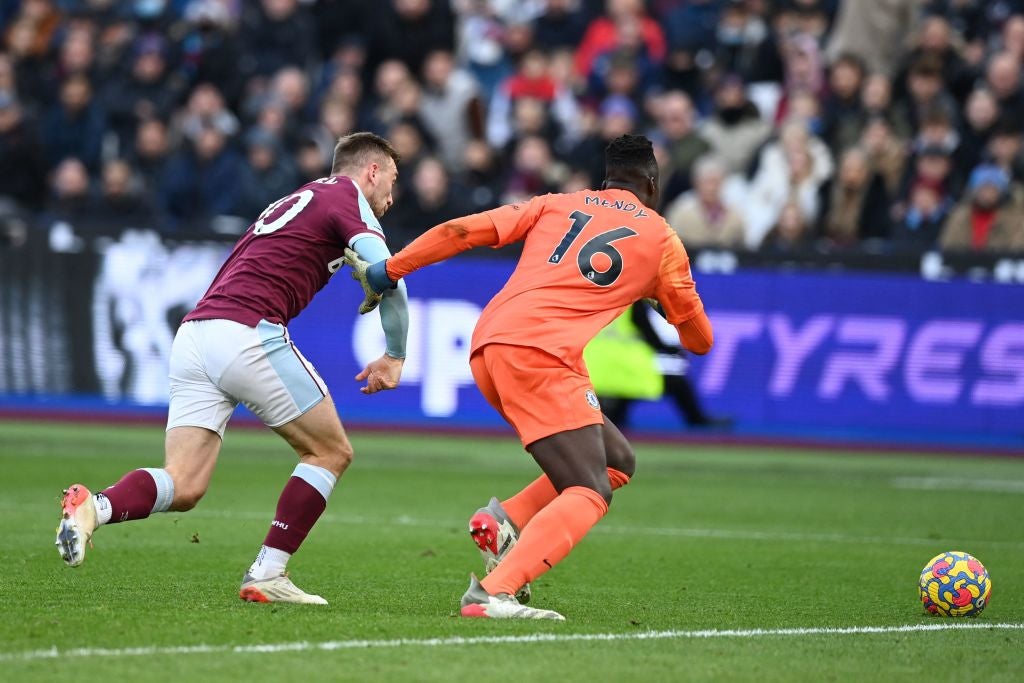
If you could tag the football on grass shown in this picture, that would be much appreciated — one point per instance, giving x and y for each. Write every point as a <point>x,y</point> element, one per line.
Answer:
<point>955,584</point>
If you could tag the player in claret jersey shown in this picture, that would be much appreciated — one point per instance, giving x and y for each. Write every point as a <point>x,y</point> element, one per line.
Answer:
<point>234,348</point>
<point>587,256</point>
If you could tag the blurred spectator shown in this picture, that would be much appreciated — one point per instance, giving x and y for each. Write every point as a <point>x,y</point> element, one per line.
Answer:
<point>266,177</point>
<point>74,126</point>
<point>409,140</point>
<point>202,181</point>
<point>934,40</point>
<point>933,167</point>
<point>735,130</point>
<point>283,108</point>
<point>745,44</point>
<point>675,118</point>
<point>625,67</point>
<point>791,231</point>
<point>790,170</point>
<point>617,116</point>
<point>925,92</point>
<point>122,201</point>
<point>481,176</point>
<point>76,55</point>
<point>339,23</point>
<point>532,80</point>
<point>22,157</point>
<point>70,199</point>
<point>937,130</point>
<point>429,201</point>
<point>450,107</point>
<point>842,108</point>
<point>1004,149</point>
<point>855,203</point>
<point>38,22</point>
<point>701,216</point>
<point>918,225</point>
<point>803,17</point>
<point>146,91</point>
<point>875,31</point>
<point>804,73</point>
<point>206,109</point>
<point>282,33</point>
<point>603,33</point>
<point>1003,77</point>
<point>398,97</point>
<point>1011,37</point>
<point>692,26</point>
<point>210,49</point>
<point>980,117</point>
<point>481,45</point>
<point>312,161</point>
<point>561,24</point>
<point>534,171</point>
<point>151,153</point>
<point>986,219</point>
<point>346,88</point>
<point>336,120</point>
<point>887,154</point>
<point>409,30</point>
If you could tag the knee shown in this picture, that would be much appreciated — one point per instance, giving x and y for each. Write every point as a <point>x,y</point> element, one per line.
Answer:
<point>186,497</point>
<point>622,458</point>
<point>335,459</point>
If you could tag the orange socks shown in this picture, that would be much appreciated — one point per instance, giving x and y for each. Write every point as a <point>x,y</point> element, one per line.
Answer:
<point>552,533</point>
<point>521,507</point>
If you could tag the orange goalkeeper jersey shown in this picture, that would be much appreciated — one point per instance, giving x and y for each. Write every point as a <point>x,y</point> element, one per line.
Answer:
<point>586,257</point>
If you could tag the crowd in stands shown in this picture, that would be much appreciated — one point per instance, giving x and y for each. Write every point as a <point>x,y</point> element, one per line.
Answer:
<point>780,125</point>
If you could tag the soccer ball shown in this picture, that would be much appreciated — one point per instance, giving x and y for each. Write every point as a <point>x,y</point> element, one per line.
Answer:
<point>955,584</point>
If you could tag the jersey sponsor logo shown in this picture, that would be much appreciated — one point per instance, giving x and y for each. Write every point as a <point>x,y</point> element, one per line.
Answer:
<point>592,400</point>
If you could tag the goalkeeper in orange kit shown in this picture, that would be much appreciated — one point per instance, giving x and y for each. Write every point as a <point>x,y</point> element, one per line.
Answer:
<point>587,256</point>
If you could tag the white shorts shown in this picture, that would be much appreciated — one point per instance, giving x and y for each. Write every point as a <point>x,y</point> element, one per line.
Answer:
<point>217,364</point>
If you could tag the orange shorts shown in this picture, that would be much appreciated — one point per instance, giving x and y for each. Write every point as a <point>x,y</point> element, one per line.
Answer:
<point>535,392</point>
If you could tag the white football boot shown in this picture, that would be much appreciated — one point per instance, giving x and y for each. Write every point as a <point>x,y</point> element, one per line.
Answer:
<point>495,535</point>
<point>276,589</point>
<point>477,602</point>
<point>77,524</point>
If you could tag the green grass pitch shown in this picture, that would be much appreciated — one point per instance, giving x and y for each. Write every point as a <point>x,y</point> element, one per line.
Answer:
<point>761,548</point>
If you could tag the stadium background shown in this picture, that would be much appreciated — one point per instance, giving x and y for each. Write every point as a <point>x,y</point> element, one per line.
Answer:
<point>862,282</point>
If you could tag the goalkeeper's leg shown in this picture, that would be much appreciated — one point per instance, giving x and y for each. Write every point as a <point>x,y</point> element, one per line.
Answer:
<point>620,464</point>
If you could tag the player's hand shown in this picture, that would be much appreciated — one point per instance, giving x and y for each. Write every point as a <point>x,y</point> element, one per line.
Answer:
<point>381,374</point>
<point>371,297</point>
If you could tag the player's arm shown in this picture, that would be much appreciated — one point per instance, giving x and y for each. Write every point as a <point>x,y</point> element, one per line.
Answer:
<point>385,372</point>
<point>495,228</point>
<point>442,242</point>
<point>679,303</point>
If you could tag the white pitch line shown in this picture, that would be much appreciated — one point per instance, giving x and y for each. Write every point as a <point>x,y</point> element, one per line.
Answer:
<point>958,484</point>
<point>330,645</point>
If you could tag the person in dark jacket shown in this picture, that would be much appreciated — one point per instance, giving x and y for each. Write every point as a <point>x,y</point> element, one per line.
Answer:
<point>202,181</point>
